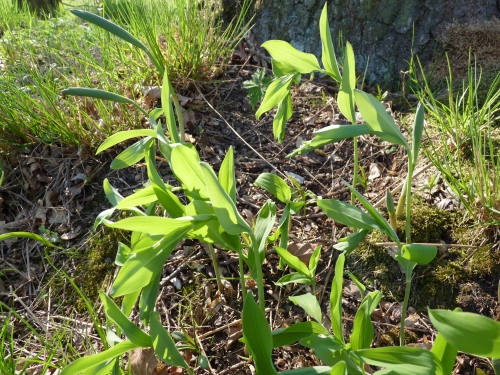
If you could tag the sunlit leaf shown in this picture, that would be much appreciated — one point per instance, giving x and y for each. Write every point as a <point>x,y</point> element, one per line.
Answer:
<point>296,332</point>
<point>163,344</point>
<point>328,53</point>
<point>345,98</point>
<point>274,185</point>
<point>347,214</point>
<point>283,114</point>
<point>275,93</point>
<point>310,305</point>
<point>227,174</point>
<point>257,335</point>
<point>287,55</point>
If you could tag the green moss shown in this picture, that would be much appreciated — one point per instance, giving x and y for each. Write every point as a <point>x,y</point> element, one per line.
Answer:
<point>96,265</point>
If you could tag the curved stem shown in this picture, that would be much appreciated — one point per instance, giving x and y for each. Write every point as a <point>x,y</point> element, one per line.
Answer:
<point>403,311</point>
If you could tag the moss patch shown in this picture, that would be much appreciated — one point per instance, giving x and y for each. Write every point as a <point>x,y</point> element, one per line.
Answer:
<point>96,265</point>
<point>441,283</point>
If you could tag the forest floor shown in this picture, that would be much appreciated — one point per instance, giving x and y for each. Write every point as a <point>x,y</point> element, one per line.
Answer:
<point>57,191</point>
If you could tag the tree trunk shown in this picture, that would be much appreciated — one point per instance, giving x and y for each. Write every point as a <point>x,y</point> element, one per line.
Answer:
<point>383,32</point>
<point>42,8</point>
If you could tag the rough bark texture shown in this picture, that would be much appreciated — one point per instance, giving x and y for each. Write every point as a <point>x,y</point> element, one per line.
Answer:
<point>42,8</point>
<point>383,31</point>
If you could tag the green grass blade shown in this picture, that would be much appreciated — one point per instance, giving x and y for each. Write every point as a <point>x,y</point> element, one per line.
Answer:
<point>103,95</point>
<point>418,130</point>
<point>32,236</point>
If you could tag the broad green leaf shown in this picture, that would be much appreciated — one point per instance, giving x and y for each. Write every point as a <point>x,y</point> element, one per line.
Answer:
<point>158,225</point>
<point>140,268</point>
<point>293,261</point>
<point>283,114</point>
<point>186,166</point>
<point>339,369</point>
<point>361,287</point>
<point>294,277</point>
<point>445,352</point>
<point>122,254</point>
<point>227,174</point>
<point>103,95</point>
<point>123,136</point>
<point>163,344</point>
<point>349,243</point>
<point>134,333</point>
<point>147,302</point>
<point>402,360</point>
<point>264,223</point>
<point>314,370</point>
<point>131,154</point>
<point>468,332</point>
<point>280,70</point>
<point>118,31</point>
<point>89,362</point>
<point>289,56</point>
<point>168,200</point>
<point>296,332</point>
<point>336,299</point>
<point>382,224</point>
<point>224,207</point>
<point>347,214</point>
<point>129,301</point>
<point>345,98</point>
<point>310,305</point>
<point>308,146</point>
<point>418,129</point>
<point>274,185</point>
<point>331,351</point>
<point>495,363</point>
<point>32,236</point>
<point>327,52</point>
<point>114,197</point>
<point>378,119</point>
<point>257,335</point>
<point>275,93</point>
<point>166,103</point>
<point>338,132</point>
<point>140,197</point>
<point>419,253</point>
<point>362,332</point>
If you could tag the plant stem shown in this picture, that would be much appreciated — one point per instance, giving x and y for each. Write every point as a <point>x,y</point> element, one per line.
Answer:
<point>356,167</point>
<point>242,276</point>
<point>258,271</point>
<point>411,166</point>
<point>180,117</point>
<point>216,268</point>
<point>403,311</point>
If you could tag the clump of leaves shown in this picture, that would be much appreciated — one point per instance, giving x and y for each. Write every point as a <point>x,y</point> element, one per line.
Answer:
<point>257,87</point>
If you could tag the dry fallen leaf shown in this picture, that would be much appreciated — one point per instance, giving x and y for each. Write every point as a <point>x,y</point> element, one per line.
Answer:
<point>143,361</point>
<point>303,251</point>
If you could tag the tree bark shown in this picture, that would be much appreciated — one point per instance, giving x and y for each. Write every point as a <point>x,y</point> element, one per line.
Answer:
<point>42,8</point>
<point>383,32</point>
